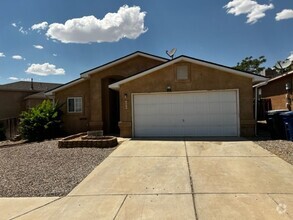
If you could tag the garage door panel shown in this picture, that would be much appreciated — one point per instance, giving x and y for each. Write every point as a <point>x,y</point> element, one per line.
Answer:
<point>177,131</point>
<point>202,131</point>
<point>139,109</point>
<point>176,109</point>
<point>228,97</point>
<point>231,130</point>
<point>201,108</point>
<point>186,114</point>
<point>212,97</point>
<point>190,120</point>
<point>189,131</point>
<point>228,108</point>
<point>215,120</point>
<point>188,111</point>
<point>189,98</point>
<point>214,107</point>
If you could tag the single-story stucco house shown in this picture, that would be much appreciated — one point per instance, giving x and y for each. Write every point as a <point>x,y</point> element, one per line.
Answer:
<point>143,95</point>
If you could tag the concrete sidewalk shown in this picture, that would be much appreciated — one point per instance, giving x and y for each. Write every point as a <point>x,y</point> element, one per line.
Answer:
<point>144,179</point>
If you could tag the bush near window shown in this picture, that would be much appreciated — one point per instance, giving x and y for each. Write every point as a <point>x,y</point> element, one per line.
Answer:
<point>41,122</point>
<point>2,132</point>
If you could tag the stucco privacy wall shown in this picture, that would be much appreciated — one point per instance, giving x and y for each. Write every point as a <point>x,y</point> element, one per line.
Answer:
<point>92,116</point>
<point>29,103</point>
<point>12,103</point>
<point>201,78</point>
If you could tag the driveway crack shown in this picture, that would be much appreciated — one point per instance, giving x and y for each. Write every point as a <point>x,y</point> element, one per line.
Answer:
<point>34,209</point>
<point>120,207</point>
<point>191,182</point>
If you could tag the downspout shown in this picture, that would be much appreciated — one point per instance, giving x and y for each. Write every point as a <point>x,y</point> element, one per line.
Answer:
<point>255,103</point>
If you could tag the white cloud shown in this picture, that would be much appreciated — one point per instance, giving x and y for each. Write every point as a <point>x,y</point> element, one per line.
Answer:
<point>285,14</point>
<point>128,22</point>
<point>54,54</point>
<point>20,29</point>
<point>40,26</point>
<point>13,78</point>
<point>253,10</point>
<point>17,57</point>
<point>44,69</point>
<point>2,55</point>
<point>40,47</point>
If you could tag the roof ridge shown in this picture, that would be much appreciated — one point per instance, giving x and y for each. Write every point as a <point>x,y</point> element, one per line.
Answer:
<point>121,58</point>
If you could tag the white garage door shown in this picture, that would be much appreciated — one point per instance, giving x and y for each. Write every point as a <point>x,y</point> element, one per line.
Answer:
<point>186,114</point>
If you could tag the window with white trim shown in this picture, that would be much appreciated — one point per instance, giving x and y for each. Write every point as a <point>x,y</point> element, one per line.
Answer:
<point>182,72</point>
<point>74,104</point>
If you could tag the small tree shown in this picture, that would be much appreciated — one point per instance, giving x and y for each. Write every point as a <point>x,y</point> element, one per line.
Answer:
<point>41,122</point>
<point>251,65</point>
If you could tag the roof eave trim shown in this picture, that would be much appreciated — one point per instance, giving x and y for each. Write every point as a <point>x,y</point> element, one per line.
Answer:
<point>256,78</point>
<point>276,78</point>
<point>51,92</point>
<point>115,62</point>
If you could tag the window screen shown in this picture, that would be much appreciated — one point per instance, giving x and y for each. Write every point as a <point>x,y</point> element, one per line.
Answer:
<point>74,104</point>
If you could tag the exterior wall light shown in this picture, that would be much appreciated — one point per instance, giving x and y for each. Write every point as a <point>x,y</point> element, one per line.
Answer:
<point>125,101</point>
<point>288,86</point>
<point>168,89</point>
<point>259,93</point>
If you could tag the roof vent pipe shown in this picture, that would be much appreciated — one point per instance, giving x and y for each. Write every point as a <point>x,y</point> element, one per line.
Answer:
<point>32,84</point>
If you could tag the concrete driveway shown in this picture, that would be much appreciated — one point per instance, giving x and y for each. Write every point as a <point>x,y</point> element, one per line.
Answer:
<point>145,179</point>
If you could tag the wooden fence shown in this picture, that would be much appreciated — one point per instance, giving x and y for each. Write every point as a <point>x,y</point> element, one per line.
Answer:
<point>263,105</point>
<point>10,126</point>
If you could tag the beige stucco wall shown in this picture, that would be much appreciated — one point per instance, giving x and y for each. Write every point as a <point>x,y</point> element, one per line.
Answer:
<point>12,103</point>
<point>75,122</point>
<point>91,91</point>
<point>201,78</point>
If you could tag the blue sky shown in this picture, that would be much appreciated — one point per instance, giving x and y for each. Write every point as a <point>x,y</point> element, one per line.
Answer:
<point>56,40</point>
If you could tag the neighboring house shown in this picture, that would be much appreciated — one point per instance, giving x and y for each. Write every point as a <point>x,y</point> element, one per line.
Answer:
<point>142,95</point>
<point>19,96</point>
<point>278,90</point>
<point>270,73</point>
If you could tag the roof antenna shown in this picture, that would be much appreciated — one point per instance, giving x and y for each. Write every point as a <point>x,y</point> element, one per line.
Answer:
<point>171,53</point>
<point>282,65</point>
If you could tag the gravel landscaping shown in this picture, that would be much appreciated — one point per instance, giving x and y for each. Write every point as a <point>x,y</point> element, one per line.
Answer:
<point>281,148</point>
<point>43,169</point>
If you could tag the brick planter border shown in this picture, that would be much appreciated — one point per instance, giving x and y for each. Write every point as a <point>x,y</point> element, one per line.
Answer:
<point>100,142</point>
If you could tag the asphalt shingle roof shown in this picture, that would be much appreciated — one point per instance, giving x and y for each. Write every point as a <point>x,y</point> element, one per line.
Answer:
<point>27,86</point>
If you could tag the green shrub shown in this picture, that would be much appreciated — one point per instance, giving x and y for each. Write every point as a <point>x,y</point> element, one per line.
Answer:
<point>2,132</point>
<point>41,122</point>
